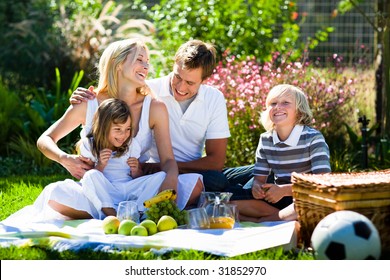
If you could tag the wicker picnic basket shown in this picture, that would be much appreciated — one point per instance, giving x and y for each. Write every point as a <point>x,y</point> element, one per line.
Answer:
<point>317,195</point>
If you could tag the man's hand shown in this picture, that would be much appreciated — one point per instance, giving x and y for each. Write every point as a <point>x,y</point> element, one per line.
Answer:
<point>150,168</point>
<point>82,95</point>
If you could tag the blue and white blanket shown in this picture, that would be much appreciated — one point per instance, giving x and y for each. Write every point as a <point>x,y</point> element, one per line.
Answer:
<point>83,234</point>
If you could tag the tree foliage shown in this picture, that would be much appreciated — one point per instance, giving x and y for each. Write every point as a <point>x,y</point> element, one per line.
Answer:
<point>39,36</point>
<point>28,42</point>
<point>243,27</point>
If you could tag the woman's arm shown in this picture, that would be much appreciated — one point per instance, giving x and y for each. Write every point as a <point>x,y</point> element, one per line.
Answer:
<point>159,122</point>
<point>47,142</point>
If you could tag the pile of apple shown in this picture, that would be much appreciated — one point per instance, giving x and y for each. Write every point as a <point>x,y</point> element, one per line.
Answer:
<point>112,225</point>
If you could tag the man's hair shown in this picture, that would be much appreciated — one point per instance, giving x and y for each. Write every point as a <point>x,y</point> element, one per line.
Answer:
<point>197,54</point>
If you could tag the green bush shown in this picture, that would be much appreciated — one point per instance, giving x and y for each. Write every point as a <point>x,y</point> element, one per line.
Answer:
<point>25,115</point>
<point>11,114</point>
<point>68,35</point>
<point>42,108</point>
<point>30,46</point>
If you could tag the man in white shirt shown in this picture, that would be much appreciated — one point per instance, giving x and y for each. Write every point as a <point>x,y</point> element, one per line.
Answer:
<point>197,115</point>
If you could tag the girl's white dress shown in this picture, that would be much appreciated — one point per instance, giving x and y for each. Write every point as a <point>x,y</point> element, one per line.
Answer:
<point>107,189</point>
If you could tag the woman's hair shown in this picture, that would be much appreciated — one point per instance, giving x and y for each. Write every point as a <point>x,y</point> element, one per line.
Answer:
<point>110,111</point>
<point>195,54</point>
<point>304,114</point>
<point>113,56</point>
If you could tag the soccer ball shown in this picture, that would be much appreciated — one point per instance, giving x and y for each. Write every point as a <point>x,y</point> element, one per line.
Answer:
<point>346,235</point>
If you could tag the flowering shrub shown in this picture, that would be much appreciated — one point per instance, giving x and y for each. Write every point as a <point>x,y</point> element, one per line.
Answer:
<point>246,84</point>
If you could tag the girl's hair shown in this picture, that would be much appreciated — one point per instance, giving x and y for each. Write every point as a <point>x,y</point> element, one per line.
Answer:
<point>110,111</point>
<point>304,114</point>
<point>113,56</point>
<point>195,54</point>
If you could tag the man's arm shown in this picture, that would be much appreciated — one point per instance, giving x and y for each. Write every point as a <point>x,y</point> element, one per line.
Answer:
<point>214,160</point>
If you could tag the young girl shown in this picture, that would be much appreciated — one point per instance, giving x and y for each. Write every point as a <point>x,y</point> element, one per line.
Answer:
<point>289,144</point>
<point>115,154</point>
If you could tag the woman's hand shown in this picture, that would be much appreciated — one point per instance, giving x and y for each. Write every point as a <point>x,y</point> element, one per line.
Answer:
<point>76,165</point>
<point>135,167</point>
<point>82,94</point>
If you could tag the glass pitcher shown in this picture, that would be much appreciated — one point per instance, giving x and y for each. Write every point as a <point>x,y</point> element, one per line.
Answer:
<point>218,209</point>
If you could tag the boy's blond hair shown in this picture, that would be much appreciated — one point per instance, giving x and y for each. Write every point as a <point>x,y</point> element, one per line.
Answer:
<point>304,114</point>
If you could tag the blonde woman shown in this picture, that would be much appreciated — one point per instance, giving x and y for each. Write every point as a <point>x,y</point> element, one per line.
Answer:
<point>123,68</point>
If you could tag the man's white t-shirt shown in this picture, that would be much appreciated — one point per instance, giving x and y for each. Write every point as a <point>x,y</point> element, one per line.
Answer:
<point>205,118</point>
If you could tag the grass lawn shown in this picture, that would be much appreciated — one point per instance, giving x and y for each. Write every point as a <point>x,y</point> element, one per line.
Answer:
<point>19,191</point>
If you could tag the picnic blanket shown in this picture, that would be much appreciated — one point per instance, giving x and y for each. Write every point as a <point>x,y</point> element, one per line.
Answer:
<point>88,234</point>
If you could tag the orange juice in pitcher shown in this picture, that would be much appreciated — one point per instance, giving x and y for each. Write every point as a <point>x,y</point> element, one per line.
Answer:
<point>218,209</point>
<point>221,222</point>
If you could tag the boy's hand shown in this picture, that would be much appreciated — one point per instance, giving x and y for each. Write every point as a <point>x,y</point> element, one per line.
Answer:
<point>258,190</point>
<point>274,193</point>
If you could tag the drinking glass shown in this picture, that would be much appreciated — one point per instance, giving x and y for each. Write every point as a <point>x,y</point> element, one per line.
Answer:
<point>128,210</point>
<point>198,219</point>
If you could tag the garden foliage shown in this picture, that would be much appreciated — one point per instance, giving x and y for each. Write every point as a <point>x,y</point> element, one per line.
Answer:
<point>244,27</point>
<point>258,48</point>
<point>68,35</point>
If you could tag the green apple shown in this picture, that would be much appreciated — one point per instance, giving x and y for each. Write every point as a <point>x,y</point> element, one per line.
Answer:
<point>139,230</point>
<point>150,226</point>
<point>110,225</point>
<point>126,226</point>
<point>166,223</point>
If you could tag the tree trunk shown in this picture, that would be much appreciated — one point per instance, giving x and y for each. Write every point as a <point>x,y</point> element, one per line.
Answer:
<point>386,71</point>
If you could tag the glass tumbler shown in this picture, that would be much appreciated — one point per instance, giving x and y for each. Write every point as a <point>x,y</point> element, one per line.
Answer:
<point>128,210</point>
<point>197,219</point>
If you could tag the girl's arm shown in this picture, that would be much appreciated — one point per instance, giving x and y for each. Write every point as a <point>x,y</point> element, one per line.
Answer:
<point>47,142</point>
<point>159,122</point>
